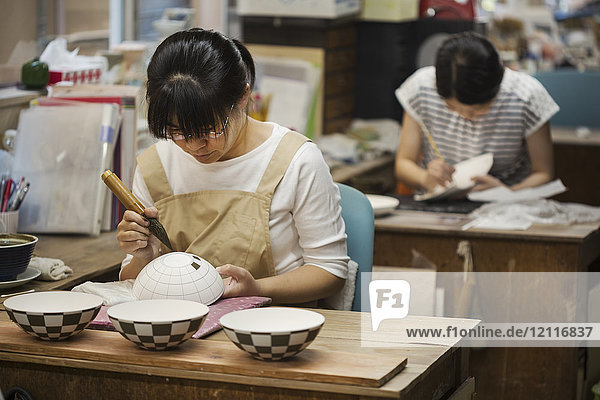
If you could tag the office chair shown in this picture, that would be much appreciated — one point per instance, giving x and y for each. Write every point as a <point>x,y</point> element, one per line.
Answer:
<point>577,95</point>
<point>357,213</point>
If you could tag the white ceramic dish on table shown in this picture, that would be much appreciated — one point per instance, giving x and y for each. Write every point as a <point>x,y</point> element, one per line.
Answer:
<point>54,315</point>
<point>382,205</point>
<point>158,324</point>
<point>272,333</point>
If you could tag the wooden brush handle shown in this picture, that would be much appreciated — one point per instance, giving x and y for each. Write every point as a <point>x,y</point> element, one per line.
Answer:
<point>123,194</point>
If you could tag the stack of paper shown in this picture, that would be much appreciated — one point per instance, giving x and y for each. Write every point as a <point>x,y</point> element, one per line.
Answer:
<point>292,85</point>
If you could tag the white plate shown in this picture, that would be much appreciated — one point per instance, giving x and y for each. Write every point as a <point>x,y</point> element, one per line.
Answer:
<point>382,204</point>
<point>23,277</point>
<point>272,320</point>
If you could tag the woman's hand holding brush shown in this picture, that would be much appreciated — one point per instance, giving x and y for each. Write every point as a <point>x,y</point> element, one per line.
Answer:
<point>134,235</point>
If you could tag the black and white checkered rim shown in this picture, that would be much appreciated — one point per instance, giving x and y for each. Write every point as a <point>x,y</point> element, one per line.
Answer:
<point>157,335</point>
<point>53,326</point>
<point>273,347</point>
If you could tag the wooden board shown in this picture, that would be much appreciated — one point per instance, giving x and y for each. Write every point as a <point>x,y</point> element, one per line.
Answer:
<point>314,365</point>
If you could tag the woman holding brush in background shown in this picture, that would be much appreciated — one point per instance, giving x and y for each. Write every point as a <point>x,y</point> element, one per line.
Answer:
<point>470,104</point>
<point>253,198</point>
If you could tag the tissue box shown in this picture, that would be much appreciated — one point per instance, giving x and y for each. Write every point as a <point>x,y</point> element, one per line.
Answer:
<point>298,8</point>
<point>84,75</point>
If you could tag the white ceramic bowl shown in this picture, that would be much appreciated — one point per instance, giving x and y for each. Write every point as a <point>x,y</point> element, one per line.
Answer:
<point>179,275</point>
<point>382,205</point>
<point>465,170</point>
<point>54,315</point>
<point>272,333</point>
<point>158,324</point>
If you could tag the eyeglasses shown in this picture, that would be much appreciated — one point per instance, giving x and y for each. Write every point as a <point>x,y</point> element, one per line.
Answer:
<point>209,135</point>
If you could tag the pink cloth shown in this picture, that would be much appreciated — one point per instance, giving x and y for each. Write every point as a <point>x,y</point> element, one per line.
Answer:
<point>210,325</point>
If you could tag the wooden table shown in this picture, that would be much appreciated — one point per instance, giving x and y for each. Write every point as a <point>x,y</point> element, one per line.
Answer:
<point>120,370</point>
<point>501,373</point>
<point>116,368</point>
<point>557,248</point>
<point>343,173</point>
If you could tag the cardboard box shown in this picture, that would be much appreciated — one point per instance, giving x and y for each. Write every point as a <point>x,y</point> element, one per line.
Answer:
<point>87,75</point>
<point>298,8</point>
<point>390,10</point>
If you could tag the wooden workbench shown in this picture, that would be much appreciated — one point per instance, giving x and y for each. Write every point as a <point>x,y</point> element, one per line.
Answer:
<point>104,365</point>
<point>344,173</point>
<point>119,370</point>
<point>576,163</point>
<point>559,248</point>
<point>501,373</point>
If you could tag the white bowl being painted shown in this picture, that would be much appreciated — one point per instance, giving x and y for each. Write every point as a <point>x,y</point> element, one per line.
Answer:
<point>467,169</point>
<point>179,275</point>
<point>158,324</point>
<point>272,333</point>
<point>54,315</point>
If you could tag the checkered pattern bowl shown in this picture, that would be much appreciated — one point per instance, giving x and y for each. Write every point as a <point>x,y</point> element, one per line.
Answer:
<point>272,333</point>
<point>54,315</point>
<point>158,324</point>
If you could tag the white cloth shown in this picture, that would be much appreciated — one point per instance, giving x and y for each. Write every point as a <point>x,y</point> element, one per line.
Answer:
<point>52,269</point>
<point>539,211</point>
<point>344,298</point>
<point>112,293</point>
<point>305,222</point>
<point>521,107</point>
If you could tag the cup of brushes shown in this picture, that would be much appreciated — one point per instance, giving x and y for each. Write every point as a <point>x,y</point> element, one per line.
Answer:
<point>12,193</point>
<point>132,203</point>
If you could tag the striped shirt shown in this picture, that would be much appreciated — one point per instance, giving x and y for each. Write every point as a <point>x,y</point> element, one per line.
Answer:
<point>521,107</point>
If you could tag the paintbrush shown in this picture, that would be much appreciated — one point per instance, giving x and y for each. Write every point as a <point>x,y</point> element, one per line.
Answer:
<point>430,139</point>
<point>132,203</point>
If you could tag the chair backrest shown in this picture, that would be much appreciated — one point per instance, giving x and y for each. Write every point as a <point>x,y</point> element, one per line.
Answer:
<point>577,95</point>
<point>357,213</point>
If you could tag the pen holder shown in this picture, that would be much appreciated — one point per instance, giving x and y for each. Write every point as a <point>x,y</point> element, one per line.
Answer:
<point>9,221</point>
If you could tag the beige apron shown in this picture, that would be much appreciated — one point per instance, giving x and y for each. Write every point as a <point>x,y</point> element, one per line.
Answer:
<point>221,226</point>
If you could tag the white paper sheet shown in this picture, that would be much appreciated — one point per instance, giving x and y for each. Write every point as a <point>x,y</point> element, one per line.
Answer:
<point>503,194</point>
<point>289,102</point>
<point>292,84</point>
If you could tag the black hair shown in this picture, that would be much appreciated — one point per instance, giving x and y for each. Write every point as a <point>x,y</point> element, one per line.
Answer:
<point>196,76</point>
<point>468,68</point>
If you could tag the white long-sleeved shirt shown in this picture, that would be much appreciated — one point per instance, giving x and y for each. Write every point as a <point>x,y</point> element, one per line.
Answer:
<point>305,223</point>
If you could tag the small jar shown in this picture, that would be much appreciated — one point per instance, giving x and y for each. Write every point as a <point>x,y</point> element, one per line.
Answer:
<point>35,74</point>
